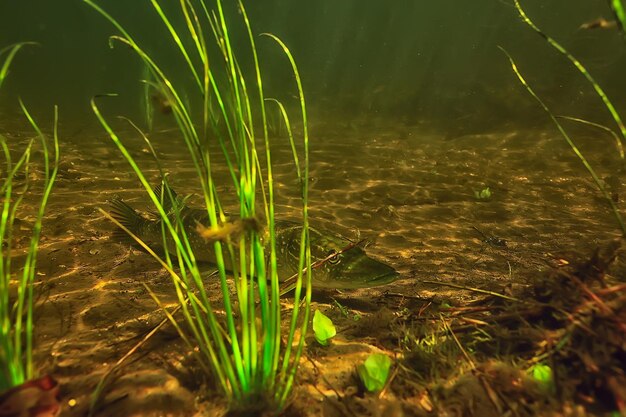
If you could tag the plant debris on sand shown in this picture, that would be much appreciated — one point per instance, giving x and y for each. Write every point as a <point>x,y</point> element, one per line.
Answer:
<point>558,347</point>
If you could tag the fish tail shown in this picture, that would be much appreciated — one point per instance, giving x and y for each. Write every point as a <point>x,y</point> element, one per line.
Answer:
<point>127,217</point>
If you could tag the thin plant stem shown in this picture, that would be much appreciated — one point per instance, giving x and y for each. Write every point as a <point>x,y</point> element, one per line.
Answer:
<point>618,142</point>
<point>578,65</point>
<point>571,143</point>
<point>620,14</point>
<point>11,51</point>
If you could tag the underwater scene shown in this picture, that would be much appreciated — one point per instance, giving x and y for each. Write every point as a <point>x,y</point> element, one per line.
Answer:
<point>325,208</point>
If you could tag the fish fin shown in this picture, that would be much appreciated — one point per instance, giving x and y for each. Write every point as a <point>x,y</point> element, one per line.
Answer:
<point>127,217</point>
<point>170,198</point>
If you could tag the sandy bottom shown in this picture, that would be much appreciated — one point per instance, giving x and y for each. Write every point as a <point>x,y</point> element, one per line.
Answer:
<point>411,193</point>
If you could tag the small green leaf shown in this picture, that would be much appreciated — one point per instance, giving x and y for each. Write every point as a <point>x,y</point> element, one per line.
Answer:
<point>544,377</point>
<point>484,194</point>
<point>323,328</point>
<point>374,371</point>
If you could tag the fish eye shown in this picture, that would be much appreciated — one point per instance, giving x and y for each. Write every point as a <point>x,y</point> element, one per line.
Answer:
<point>335,257</point>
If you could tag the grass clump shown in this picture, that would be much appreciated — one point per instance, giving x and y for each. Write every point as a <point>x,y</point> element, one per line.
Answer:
<point>245,349</point>
<point>16,285</point>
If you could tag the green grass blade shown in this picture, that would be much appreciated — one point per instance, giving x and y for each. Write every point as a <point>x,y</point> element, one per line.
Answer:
<point>28,275</point>
<point>620,13</point>
<point>570,142</point>
<point>618,142</point>
<point>12,368</point>
<point>579,66</point>
<point>178,42</point>
<point>11,52</point>
<point>16,320</point>
<point>288,372</point>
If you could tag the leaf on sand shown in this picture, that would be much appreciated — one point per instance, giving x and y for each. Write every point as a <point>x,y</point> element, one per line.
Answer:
<point>375,371</point>
<point>323,328</point>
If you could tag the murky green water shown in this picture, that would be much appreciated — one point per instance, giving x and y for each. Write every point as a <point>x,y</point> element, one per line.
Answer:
<point>413,61</point>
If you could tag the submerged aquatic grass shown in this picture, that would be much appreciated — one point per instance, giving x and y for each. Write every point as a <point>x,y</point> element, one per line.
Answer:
<point>16,287</point>
<point>620,139</point>
<point>572,145</point>
<point>579,66</point>
<point>619,10</point>
<point>243,353</point>
<point>10,51</point>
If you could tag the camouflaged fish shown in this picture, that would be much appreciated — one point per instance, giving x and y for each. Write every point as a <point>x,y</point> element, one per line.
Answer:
<point>347,269</point>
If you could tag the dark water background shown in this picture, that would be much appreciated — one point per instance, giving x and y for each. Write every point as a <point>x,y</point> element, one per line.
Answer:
<point>407,61</point>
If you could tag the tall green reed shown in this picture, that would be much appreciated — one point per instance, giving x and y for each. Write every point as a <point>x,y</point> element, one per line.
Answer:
<point>619,10</point>
<point>10,52</point>
<point>17,287</point>
<point>619,138</point>
<point>241,348</point>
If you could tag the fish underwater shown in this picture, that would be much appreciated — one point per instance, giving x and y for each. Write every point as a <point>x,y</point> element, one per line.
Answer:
<point>600,23</point>
<point>347,269</point>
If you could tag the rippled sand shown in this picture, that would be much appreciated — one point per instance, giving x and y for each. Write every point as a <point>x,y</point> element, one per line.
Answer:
<point>411,193</point>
